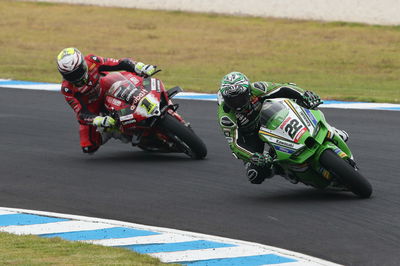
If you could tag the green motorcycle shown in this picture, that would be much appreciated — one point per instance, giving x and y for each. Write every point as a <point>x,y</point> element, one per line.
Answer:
<point>307,150</point>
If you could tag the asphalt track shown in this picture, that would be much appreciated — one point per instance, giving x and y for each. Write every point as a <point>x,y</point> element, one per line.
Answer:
<point>42,168</point>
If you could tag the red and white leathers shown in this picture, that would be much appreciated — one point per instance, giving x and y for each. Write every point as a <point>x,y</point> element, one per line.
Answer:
<point>87,101</point>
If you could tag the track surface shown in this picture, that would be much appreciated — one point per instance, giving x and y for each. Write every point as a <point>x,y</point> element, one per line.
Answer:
<point>42,168</point>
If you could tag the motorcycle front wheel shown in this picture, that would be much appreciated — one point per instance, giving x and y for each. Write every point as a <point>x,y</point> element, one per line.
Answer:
<point>183,136</point>
<point>346,174</point>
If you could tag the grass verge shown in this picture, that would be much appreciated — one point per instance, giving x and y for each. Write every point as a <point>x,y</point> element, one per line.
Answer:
<point>346,61</point>
<point>34,250</point>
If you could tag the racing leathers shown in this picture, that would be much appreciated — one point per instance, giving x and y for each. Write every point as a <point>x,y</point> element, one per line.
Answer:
<point>241,128</point>
<point>87,101</point>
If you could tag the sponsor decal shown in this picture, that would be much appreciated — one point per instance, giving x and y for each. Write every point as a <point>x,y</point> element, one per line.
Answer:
<point>114,101</point>
<point>285,122</point>
<point>126,117</point>
<point>311,116</point>
<point>340,153</point>
<point>129,122</point>
<point>283,149</point>
<point>301,133</point>
<point>134,80</point>
<point>242,119</point>
<point>148,105</point>
<point>158,86</point>
<point>138,97</point>
<point>96,59</point>
<point>306,120</point>
<point>111,60</point>
<point>66,90</point>
<point>153,84</point>
<point>114,87</point>
<point>325,174</point>
<point>92,66</point>
<point>285,143</point>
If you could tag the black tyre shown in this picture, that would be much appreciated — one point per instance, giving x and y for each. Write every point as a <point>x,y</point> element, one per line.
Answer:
<point>346,174</point>
<point>184,137</point>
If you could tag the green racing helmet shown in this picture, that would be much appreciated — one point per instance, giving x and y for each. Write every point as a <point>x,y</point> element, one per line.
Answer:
<point>236,91</point>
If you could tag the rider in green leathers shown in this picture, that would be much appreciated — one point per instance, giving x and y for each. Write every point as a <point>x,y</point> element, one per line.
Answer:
<point>239,105</point>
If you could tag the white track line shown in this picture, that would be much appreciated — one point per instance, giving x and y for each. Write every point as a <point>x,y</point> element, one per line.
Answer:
<point>297,263</point>
<point>53,228</point>
<point>153,239</point>
<point>207,254</point>
<point>2,212</point>
<point>219,253</point>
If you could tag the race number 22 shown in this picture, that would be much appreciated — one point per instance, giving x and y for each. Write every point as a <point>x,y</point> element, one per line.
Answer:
<point>293,127</point>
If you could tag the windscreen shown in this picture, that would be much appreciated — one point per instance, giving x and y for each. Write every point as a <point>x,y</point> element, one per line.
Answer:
<point>272,110</point>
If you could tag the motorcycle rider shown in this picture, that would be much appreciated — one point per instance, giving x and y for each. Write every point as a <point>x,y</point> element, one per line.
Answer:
<point>239,106</point>
<point>81,88</point>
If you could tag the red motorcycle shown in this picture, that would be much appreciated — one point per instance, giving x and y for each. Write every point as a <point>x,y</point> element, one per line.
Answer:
<point>143,110</point>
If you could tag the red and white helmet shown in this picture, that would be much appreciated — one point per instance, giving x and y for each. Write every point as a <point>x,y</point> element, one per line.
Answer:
<point>72,66</point>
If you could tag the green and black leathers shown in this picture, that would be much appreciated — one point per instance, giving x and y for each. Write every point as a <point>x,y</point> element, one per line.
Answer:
<point>241,129</point>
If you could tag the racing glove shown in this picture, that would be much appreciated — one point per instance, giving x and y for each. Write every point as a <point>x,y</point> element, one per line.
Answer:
<point>261,159</point>
<point>104,121</point>
<point>144,70</point>
<point>127,64</point>
<point>310,100</point>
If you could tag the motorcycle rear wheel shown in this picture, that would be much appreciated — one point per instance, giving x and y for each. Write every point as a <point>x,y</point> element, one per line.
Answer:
<point>346,174</point>
<point>191,144</point>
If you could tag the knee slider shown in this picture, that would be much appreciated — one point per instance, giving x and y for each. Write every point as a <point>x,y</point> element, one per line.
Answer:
<point>90,149</point>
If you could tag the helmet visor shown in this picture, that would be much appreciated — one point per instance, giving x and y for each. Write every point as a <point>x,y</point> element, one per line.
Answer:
<point>78,75</point>
<point>238,102</point>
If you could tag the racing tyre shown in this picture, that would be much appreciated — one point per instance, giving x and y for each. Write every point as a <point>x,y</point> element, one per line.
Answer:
<point>184,137</point>
<point>346,174</point>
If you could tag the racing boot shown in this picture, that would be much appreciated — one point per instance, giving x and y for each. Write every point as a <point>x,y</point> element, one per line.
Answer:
<point>341,133</point>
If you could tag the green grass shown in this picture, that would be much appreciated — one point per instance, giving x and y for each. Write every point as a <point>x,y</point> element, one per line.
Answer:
<point>346,61</point>
<point>34,250</point>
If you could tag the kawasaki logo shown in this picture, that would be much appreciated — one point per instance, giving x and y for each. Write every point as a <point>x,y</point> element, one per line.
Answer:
<point>288,144</point>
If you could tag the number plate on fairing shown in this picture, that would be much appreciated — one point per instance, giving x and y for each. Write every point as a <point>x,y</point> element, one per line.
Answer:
<point>286,127</point>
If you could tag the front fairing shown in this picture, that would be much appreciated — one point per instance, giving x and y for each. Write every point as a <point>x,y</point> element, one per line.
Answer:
<point>131,97</point>
<point>285,126</point>
<point>298,136</point>
<point>295,133</point>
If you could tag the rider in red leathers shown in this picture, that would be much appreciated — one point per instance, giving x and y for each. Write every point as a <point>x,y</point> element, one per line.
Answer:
<point>82,91</point>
